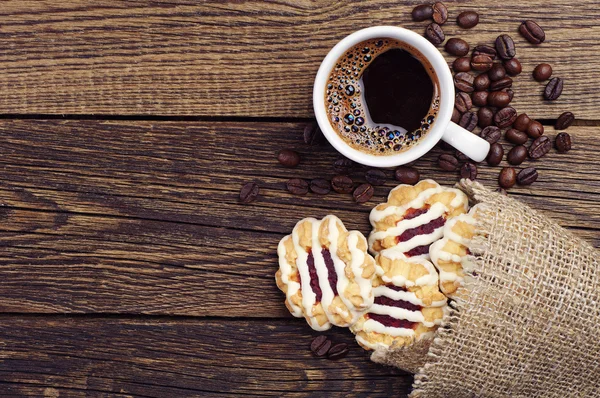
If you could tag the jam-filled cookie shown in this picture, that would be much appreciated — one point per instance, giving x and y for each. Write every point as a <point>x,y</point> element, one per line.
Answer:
<point>408,305</point>
<point>413,217</point>
<point>325,272</point>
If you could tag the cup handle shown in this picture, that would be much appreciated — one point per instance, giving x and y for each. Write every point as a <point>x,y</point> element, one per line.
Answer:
<point>468,143</point>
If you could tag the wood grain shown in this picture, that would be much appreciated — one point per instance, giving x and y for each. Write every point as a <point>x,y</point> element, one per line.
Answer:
<point>249,58</point>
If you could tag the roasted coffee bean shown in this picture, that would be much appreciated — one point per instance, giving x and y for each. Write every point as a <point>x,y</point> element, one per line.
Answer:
<point>507,177</point>
<point>440,13</point>
<point>480,98</point>
<point>505,47</point>
<point>343,165</point>
<point>491,134</point>
<point>484,50</point>
<point>497,72</point>
<point>457,47</point>
<point>498,99</point>
<point>495,154</point>
<point>563,142</point>
<point>535,129</point>
<point>517,155</point>
<point>532,32</point>
<point>505,82</point>
<point>485,117</point>
<point>297,186</point>
<point>342,184</point>
<point>313,134</point>
<point>554,88</point>
<point>363,193</point>
<point>288,158</point>
<point>462,64</point>
<point>435,34</point>
<point>564,120</point>
<point>468,121</point>
<point>522,122</point>
<point>481,82</point>
<point>455,116</point>
<point>467,19</point>
<point>463,81</point>
<point>515,136</point>
<point>513,67</point>
<point>505,117</point>
<point>463,102</point>
<point>481,63</point>
<point>448,162</point>
<point>338,351</point>
<point>407,175</point>
<point>422,12</point>
<point>527,176</point>
<point>249,192</point>
<point>375,177</point>
<point>542,72</point>
<point>539,147</point>
<point>468,170</point>
<point>320,186</point>
<point>510,93</point>
<point>320,345</point>
<point>461,156</point>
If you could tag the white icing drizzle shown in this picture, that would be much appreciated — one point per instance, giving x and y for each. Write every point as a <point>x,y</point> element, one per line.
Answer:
<point>372,325</point>
<point>286,271</point>
<point>358,258</point>
<point>327,295</point>
<point>404,295</point>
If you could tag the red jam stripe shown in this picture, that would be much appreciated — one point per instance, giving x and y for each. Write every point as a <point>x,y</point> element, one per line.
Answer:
<point>331,274</point>
<point>314,279</point>
<point>382,300</point>
<point>388,321</point>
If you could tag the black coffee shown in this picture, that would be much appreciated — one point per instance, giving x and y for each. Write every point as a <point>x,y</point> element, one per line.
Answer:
<point>382,96</point>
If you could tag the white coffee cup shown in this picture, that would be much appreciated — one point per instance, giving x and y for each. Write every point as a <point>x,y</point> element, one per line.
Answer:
<point>442,129</point>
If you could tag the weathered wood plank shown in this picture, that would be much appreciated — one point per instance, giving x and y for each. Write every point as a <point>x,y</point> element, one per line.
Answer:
<point>75,357</point>
<point>249,58</point>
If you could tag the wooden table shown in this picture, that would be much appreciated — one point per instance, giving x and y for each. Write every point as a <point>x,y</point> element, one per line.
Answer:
<point>127,265</point>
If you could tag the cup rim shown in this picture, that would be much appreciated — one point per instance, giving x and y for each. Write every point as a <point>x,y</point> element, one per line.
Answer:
<point>445,81</point>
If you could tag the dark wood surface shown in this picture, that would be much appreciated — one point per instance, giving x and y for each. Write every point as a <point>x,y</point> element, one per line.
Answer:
<point>127,265</point>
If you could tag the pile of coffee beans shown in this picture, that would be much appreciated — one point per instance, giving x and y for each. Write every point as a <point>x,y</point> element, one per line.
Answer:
<point>322,347</point>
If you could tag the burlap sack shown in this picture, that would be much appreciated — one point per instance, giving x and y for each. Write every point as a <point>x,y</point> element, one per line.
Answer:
<point>527,321</point>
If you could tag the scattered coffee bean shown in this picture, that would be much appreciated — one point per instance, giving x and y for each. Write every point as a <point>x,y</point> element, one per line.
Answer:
<point>517,155</point>
<point>491,134</point>
<point>457,47</point>
<point>532,32</point>
<point>502,191</point>
<point>313,134</point>
<point>288,158</point>
<point>320,345</point>
<point>463,102</point>
<point>542,72</point>
<point>539,147</point>
<point>422,12</point>
<point>515,136</point>
<point>467,19</point>
<point>448,162</point>
<point>455,116</point>
<point>461,156</point>
<point>480,98</point>
<point>463,81</point>
<point>564,120</point>
<point>363,193</point>
<point>495,154</point>
<point>505,47</point>
<point>507,177</point>
<point>485,117</point>
<point>481,63</point>
<point>497,72</point>
<point>440,13</point>
<point>342,184</point>
<point>484,50</point>
<point>375,177</point>
<point>407,175</point>
<point>513,67</point>
<point>435,34</point>
<point>535,129</point>
<point>297,186</point>
<point>338,351</point>
<point>505,82</point>
<point>481,82</point>
<point>468,170</point>
<point>554,88</point>
<point>563,142</point>
<point>505,117</point>
<point>527,176</point>
<point>510,93</point>
<point>468,121</point>
<point>249,192</point>
<point>522,122</point>
<point>343,165</point>
<point>320,186</point>
<point>462,64</point>
<point>498,99</point>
